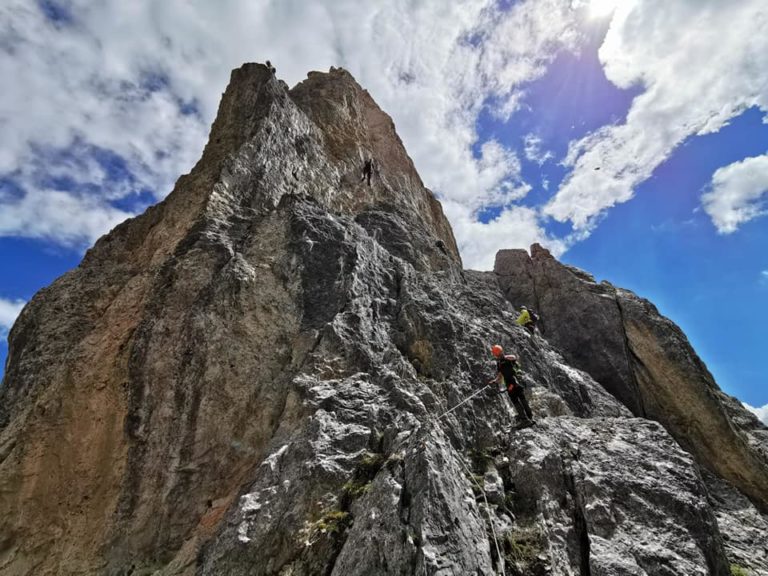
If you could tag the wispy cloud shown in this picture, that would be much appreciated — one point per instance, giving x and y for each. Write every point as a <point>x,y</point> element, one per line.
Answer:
<point>139,82</point>
<point>66,218</point>
<point>691,84</point>
<point>9,311</point>
<point>533,150</point>
<point>761,413</point>
<point>143,82</point>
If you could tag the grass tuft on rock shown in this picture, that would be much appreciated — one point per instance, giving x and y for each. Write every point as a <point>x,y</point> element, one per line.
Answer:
<point>331,523</point>
<point>525,551</point>
<point>354,490</point>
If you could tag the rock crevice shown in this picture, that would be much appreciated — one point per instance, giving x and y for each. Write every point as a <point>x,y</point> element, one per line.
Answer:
<point>642,358</point>
<point>266,374</point>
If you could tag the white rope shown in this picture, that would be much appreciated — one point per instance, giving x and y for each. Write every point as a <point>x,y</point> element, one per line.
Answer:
<point>488,513</point>
<point>467,399</point>
<point>472,479</point>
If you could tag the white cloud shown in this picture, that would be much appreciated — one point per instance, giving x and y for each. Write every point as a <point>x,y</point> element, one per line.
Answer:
<point>700,63</point>
<point>761,413</point>
<point>140,82</point>
<point>119,76</point>
<point>736,193</point>
<point>66,218</point>
<point>533,151</point>
<point>517,226</point>
<point>9,310</point>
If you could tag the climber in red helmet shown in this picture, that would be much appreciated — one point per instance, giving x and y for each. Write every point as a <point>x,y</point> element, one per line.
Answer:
<point>507,369</point>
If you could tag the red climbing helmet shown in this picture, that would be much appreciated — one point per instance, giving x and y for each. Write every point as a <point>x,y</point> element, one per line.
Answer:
<point>497,350</point>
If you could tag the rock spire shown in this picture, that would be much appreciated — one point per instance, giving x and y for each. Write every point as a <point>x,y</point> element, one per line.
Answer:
<point>248,378</point>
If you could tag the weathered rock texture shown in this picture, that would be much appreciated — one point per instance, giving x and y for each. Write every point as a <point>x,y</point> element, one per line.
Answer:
<point>643,359</point>
<point>249,378</point>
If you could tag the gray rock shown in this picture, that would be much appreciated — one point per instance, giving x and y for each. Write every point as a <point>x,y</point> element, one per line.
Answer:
<point>743,526</point>
<point>281,370</point>
<point>614,497</point>
<point>493,486</point>
<point>643,359</point>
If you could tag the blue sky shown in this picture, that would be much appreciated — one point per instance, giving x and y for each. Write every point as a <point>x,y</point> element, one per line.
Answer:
<point>628,137</point>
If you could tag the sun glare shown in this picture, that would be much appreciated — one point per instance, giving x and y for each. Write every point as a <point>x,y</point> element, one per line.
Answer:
<point>600,8</point>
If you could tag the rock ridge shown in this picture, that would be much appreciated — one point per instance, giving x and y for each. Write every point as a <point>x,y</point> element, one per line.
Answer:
<point>643,359</point>
<point>266,374</point>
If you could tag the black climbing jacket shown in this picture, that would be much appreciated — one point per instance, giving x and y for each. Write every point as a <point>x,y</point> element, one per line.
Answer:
<point>509,370</point>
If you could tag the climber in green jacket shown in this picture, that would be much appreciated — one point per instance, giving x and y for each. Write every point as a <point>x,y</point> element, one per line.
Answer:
<point>527,319</point>
<point>507,369</point>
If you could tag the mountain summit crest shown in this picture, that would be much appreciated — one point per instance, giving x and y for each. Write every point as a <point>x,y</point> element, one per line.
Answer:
<point>275,371</point>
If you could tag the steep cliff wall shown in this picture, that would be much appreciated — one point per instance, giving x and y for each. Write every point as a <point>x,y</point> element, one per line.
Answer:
<point>643,359</point>
<point>254,377</point>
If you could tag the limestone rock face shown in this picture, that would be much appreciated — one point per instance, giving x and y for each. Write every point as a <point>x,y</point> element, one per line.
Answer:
<point>280,370</point>
<point>743,527</point>
<point>600,488</point>
<point>643,359</point>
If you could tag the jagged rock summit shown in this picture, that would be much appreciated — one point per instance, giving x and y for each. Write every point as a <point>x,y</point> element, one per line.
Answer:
<point>641,358</point>
<point>255,377</point>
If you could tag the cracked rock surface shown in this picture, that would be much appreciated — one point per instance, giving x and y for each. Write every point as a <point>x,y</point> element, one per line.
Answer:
<point>644,360</point>
<point>266,374</point>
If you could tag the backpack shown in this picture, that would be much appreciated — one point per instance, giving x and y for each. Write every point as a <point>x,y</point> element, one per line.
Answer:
<point>514,368</point>
<point>518,375</point>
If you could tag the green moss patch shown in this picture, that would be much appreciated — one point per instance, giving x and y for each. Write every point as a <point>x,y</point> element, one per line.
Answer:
<point>525,552</point>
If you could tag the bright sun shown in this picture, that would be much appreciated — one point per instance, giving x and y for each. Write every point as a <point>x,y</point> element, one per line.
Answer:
<point>600,8</point>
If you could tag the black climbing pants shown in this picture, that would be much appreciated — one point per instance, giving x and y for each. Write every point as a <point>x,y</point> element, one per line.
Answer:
<point>520,402</point>
<point>531,327</point>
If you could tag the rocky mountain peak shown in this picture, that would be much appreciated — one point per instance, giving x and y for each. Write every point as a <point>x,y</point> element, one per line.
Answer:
<point>538,252</point>
<point>642,358</point>
<point>327,120</point>
<point>282,369</point>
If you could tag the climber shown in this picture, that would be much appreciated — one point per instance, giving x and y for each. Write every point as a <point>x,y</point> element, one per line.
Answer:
<point>527,319</point>
<point>271,68</point>
<point>507,369</point>
<point>367,171</point>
